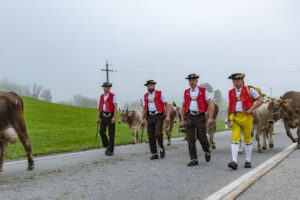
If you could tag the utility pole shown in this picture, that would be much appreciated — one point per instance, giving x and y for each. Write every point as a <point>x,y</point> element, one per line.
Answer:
<point>271,91</point>
<point>107,70</point>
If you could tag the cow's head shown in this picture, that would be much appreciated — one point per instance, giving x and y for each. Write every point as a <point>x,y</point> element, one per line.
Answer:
<point>126,116</point>
<point>177,110</point>
<point>123,116</point>
<point>277,106</point>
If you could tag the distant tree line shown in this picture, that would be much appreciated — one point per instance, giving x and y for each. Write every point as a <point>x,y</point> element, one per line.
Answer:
<point>79,100</point>
<point>37,91</point>
<point>133,105</point>
<point>216,94</point>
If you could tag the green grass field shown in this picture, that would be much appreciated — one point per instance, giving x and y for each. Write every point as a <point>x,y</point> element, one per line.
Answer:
<point>56,128</point>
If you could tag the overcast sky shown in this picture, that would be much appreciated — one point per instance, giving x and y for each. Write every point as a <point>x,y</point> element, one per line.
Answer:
<point>63,44</point>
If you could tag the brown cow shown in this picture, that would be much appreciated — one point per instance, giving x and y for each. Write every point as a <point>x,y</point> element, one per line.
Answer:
<point>288,108</point>
<point>134,119</point>
<point>12,126</point>
<point>263,125</point>
<point>168,126</point>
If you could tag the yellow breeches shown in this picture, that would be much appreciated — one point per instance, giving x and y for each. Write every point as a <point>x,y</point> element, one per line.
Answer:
<point>241,122</point>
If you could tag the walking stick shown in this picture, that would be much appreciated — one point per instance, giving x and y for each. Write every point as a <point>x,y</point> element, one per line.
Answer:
<point>97,135</point>
<point>142,134</point>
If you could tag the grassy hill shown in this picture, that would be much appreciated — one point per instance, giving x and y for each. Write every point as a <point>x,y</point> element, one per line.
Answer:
<point>55,128</point>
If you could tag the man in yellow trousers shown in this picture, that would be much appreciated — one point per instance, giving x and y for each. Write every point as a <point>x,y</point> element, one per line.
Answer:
<point>242,101</point>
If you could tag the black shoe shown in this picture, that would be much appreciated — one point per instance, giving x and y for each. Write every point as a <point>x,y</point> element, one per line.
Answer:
<point>207,156</point>
<point>233,165</point>
<point>247,164</point>
<point>154,156</point>
<point>106,151</point>
<point>193,163</point>
<point>162,154</point>
<point>110,153</point>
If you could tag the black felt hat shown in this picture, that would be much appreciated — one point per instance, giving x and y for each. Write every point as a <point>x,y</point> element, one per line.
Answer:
<point>106,84</point>
<point>237,76</point>
<point>150,82</point>
<point>192,76</point>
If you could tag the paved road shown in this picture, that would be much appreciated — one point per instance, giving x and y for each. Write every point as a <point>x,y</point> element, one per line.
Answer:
<point>129,174</point>
<point>283,182</point>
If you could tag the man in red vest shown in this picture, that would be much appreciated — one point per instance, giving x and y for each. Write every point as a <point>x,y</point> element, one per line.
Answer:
<point>242,101</point>
<point>196,102</point>
<point>155,106</point>
<point>107,117</point>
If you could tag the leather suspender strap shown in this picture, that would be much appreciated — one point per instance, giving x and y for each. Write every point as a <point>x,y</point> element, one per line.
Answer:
<point>248,91</point>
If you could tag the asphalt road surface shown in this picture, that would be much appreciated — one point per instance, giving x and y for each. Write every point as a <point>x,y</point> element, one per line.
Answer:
<point>129,174</point>
<point>283,182</point>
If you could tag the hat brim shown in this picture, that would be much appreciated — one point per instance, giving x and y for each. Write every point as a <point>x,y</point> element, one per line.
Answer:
<point>237,76</point>
<point>106,86</point>
<point>233,78</point>
<point>191,78</point>
<point>149,84</point>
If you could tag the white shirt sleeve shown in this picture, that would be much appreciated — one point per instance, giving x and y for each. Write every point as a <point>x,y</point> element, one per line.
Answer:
<point>163,98</point>
<point>254,93</point>
<point>207,95</point>
<point>115,100</point>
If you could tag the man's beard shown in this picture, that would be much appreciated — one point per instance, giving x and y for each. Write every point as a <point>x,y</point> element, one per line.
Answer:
<point>150,90</point>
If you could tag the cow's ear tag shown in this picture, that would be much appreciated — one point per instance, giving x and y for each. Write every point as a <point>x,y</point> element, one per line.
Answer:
<point>286,102</point>
<point>130,113</point>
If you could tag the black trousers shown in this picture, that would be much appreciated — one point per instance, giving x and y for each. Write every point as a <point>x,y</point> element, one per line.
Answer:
<point>106,122</point>
<point>154,128</point>
<point>195,125</point>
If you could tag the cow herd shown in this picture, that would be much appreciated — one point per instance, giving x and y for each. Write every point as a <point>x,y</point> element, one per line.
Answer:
<point>287,108</point>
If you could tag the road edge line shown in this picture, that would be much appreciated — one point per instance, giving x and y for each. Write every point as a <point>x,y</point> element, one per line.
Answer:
<point>238,186</point>
<point>64,154</point>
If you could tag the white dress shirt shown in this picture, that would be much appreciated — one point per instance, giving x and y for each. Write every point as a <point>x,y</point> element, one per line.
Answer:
<point>239,105</point>
<point>194,104</point>
<point>151,103</point>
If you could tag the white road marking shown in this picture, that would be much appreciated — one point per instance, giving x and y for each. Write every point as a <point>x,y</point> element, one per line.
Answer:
<point>235,188</point>
<point>90,151</point>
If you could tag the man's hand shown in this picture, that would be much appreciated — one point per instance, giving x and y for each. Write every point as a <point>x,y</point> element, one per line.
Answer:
<point>98,120</point>
<point>113,120</point>
<point>229,123</point>
<point>182,124</point>
<point>210,121</point>
<point>143,122</point>
<point>249,111</point>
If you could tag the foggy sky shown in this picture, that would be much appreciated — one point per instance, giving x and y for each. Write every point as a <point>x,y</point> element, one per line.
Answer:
<point>64,44</point>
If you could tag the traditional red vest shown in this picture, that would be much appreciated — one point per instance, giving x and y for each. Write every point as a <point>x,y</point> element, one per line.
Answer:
<point>201,101</point>
<point>245,98</point>
<point>157,100</point>
<point>109,103</point>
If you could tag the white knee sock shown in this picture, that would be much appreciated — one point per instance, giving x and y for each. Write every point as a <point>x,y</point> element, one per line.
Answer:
<point>248,151</point>
<point>234,151</point>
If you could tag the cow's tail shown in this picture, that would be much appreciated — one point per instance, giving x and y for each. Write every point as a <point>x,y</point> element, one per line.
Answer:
<point>22,104</point>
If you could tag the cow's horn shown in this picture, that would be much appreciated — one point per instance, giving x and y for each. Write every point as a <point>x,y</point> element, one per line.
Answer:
<point>174,104</point>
